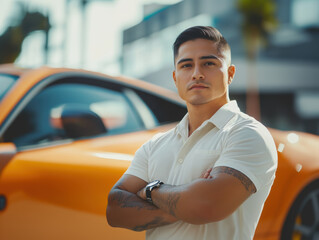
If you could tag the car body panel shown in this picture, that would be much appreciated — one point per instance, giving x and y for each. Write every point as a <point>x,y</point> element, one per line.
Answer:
<point>66,184</point>
<point>297,167</point>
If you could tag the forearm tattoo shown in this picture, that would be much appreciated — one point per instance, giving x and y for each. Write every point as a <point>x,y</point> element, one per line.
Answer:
<point>126,199</point>
<point>168,202</point>
<point>130,200</point>
<point>248,184</point>
<point>172,201</point>
<point>156,222</point>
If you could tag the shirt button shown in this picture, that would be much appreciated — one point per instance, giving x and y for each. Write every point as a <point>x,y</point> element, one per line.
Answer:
<point>180,160</point>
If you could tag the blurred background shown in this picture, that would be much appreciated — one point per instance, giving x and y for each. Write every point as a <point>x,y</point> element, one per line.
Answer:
<point>274,45</point>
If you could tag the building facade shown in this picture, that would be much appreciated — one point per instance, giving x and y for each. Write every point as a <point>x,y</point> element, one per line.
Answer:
<point>286,69</point>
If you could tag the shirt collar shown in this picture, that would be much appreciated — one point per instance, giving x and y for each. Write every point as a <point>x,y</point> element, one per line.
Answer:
<point>224,114</point>
<point>182,127</point>
<point>219,119</point>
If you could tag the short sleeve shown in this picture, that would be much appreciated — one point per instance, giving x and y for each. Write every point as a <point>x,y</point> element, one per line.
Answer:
<point>251,150</point>
<point>139,165</point>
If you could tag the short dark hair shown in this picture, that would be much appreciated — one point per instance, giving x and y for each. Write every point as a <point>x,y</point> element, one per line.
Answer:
<point>203,32</point>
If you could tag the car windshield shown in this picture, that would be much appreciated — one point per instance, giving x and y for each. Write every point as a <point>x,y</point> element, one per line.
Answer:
<point>6,82</point>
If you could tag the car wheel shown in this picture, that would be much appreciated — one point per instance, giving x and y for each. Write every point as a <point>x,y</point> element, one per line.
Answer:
<point>302,222</point>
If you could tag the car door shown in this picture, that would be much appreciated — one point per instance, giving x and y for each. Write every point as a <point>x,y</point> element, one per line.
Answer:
<point>55,183</point>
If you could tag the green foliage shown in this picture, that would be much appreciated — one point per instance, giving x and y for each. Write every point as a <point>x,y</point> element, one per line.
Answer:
<point>12,38</point>
<point>259,20</point>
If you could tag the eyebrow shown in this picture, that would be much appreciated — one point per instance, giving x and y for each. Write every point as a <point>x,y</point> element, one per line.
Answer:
<point>203,57</point>
<point>209,57</point>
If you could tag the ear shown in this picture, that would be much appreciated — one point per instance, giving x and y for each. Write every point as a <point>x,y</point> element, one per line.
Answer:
<point>231,73</point>
<point>174,77</point>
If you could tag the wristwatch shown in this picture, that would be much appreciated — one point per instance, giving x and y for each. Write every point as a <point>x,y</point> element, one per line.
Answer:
<point>150,187</point>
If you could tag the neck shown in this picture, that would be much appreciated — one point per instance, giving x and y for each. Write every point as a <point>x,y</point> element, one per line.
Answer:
<point>197,114</point>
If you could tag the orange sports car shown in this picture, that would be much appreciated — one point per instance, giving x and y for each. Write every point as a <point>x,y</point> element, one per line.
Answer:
<point>66,136</point>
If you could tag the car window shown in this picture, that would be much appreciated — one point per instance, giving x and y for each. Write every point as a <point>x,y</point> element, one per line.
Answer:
<point>6,82</point>
<point>164,110</point>
<point>40,122</point>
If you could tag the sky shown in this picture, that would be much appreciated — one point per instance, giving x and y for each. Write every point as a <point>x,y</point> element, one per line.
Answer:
<point>105,21</point>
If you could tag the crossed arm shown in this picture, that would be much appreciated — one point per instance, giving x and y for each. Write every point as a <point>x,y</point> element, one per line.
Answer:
<point>125,209</point>
<point>210,198</point>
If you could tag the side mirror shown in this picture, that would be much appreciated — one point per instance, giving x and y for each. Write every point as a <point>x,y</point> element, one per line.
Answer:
<point>80,121</point>
<point>7,152</point>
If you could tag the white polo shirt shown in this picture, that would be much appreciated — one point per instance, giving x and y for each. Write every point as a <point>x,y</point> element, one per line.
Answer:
<point>229,138</point>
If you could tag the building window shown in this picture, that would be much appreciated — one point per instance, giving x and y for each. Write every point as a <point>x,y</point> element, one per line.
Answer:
<point>305,13</point>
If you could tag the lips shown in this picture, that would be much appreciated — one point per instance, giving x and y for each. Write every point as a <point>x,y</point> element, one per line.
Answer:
<point>198,86</point>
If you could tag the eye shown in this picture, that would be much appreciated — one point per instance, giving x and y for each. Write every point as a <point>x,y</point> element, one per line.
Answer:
<point>186,65</point>
<point>209,63</point>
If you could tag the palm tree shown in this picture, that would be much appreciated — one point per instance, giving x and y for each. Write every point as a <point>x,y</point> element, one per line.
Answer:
<point>12,38</point>
<point>259,20</point>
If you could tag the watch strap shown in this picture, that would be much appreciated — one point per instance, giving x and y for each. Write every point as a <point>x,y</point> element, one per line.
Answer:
<point>150,187</point>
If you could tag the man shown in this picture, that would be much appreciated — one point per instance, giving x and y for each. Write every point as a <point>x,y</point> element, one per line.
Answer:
<point>217,165</point>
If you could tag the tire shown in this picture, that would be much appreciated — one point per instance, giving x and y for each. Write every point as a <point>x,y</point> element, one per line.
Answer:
<point>302,222</point>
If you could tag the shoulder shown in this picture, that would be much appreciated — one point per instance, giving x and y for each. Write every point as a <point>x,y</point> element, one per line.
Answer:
<point>248,127</point>
<point>247,132</point>
<point>159,138</point>
<point>250,149</point>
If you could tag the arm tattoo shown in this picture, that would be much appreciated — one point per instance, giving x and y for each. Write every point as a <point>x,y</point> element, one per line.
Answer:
<point>130,200</point>
<point>248,184</point>
<point>126,199</point>
<point>168,201</point>
<point>157,222</point>
<point>172,202</point>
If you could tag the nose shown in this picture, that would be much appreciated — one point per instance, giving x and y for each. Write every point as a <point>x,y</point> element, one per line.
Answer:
<point>198,74</point>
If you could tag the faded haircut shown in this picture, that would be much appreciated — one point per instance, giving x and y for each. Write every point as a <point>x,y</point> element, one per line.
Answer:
<point>202,32</point>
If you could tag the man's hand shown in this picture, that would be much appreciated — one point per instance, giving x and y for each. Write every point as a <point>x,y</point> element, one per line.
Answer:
<point>142,193</point>
<point>206,174</point>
